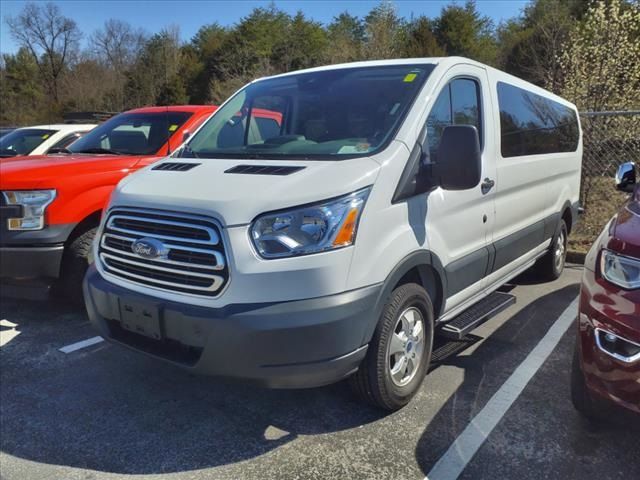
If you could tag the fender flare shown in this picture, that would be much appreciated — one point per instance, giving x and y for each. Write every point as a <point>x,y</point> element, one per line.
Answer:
<point>419,258</point>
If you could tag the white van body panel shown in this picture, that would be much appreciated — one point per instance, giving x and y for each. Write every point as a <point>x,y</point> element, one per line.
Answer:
<point>451,225</point>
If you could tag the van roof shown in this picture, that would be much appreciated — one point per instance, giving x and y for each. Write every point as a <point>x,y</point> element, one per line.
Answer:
<point>444,61</point>
<point>61,126</point>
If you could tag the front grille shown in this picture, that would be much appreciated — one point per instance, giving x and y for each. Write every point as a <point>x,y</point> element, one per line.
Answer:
<point>192,259</point>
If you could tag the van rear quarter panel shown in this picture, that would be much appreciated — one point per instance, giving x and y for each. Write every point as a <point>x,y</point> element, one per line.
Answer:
<point>533,187</point>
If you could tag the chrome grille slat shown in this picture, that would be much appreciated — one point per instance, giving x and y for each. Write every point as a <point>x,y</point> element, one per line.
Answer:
<point>168,245</point>
<point>213,287</point>
<point>213,236</point>
<point>191,261</point>
<point>219,265</point>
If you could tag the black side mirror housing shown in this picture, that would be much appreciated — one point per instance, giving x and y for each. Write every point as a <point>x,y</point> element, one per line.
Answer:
<point>185,135</point>
<point>459,161</point>
<point>626,177</point>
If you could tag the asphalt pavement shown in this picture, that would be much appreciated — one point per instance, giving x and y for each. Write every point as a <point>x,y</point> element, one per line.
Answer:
<point>100,411</point>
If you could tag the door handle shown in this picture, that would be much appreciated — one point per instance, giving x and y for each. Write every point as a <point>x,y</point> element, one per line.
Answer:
<point>487,185</point>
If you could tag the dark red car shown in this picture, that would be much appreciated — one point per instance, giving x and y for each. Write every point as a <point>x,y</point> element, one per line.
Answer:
<point>606,366</point>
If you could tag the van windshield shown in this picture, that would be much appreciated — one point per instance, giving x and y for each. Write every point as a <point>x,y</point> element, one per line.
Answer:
<point>324,115</point>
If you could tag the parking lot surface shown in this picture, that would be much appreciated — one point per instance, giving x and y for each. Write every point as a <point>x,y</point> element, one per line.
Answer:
<point>104,412</point>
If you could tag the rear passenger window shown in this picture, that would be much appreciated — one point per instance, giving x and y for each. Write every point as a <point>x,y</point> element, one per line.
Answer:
<point>531,124</point>
<point>457,104</point>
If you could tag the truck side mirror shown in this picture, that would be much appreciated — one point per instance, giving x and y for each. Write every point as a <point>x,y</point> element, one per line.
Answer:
<point>459,161</point>
<point>626,177</point>
<point>185,135</point>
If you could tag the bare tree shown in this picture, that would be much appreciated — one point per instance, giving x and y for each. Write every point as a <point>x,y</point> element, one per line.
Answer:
<point>50,37</point>
<point>118,44</point>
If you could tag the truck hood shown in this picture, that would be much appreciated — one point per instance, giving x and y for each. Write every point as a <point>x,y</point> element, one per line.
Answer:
<point>208,188</point>
<point>42,171</point>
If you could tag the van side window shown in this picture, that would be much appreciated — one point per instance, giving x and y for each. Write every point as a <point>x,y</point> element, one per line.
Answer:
<point>457,104</point>
<point>531,124</point>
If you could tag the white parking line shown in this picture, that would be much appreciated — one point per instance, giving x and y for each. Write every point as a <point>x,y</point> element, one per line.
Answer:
<point>83,344</point>
<point>460,453</point>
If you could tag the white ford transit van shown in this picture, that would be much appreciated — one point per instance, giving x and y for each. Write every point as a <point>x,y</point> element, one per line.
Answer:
<point>328,223</point>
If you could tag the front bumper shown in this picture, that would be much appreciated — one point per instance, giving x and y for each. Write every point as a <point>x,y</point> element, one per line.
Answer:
<point>32,256</point>
<point>294,344</point>
<point>26,264</point>
<point>604,306</point>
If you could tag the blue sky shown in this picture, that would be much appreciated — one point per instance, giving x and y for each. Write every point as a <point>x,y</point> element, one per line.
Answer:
<point>190,15</point>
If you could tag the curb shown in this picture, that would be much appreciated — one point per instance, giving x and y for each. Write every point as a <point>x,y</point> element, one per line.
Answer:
<point>576,257</point>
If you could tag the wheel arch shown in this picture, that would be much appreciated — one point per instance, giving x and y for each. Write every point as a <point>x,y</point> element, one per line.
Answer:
<point>90,221</point>
<point>422,267</point>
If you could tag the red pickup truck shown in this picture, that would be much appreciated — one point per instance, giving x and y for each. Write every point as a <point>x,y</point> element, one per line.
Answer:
<point>50,205</point>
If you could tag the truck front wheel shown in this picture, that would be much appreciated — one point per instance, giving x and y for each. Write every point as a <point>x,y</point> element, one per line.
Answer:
<point>74,265</point>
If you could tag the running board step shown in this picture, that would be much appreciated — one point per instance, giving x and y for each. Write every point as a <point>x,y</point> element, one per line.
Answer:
<point>477,314</point>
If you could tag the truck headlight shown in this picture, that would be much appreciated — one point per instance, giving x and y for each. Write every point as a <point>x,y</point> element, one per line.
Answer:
<point>33,203</point>
<point>309,229</point>
<point>620,270</point>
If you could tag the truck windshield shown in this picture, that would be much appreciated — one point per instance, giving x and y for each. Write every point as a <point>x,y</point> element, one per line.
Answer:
<point>324,115</point>
<point>23,141</point>
<point>131,134</point>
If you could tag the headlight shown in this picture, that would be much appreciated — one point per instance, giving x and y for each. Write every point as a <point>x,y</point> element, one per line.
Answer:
<point>310,229</point>
<point>619,270</point>
<point>33,203</point>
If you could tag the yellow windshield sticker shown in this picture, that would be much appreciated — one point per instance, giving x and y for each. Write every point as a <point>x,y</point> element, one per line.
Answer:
<point>45,136</point>
<point>410,77</point>
<point>173,128</point>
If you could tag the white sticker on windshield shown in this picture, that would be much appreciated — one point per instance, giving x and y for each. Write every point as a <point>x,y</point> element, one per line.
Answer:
<point>348,149</point>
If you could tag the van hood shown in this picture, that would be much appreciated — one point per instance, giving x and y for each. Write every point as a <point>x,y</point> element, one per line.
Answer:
<point>209,188</point>
<point>43,171</point>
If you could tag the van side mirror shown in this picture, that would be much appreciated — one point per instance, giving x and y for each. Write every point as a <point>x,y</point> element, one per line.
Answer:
<point>459,161</point>
<point>626,177</point>
<point>185,135</point>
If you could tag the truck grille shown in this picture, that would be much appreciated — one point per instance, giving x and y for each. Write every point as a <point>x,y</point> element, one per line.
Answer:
<point>187,256</point>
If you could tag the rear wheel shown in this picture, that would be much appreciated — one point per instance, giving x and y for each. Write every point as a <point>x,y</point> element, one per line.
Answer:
<point>399,354</point>
<point>551,266</point>
<point>74,265</point>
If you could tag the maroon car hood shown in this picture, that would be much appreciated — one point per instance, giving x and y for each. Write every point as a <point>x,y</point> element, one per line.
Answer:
<point>626,227</point>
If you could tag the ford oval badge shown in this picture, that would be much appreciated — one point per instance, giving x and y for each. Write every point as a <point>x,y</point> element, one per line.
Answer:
<point>149,248</point>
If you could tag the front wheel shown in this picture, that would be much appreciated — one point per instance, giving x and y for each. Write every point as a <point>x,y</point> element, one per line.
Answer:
<point>581,398</point>
<point>399,354</point>
<point>75,262</point>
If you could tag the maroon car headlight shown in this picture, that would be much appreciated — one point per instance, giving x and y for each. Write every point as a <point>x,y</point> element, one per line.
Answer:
<point>620,270</point>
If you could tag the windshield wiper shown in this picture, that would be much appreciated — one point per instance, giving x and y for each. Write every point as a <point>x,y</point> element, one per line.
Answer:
<point>99,150</point>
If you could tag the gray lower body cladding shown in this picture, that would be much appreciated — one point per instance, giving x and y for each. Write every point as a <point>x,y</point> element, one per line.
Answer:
<point>295,344</point>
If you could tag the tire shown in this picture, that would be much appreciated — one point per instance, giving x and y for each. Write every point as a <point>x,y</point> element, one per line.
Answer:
<point>581,398</point>
<point>375,381</point>
<point>551,266</point>
<point>75,262</point>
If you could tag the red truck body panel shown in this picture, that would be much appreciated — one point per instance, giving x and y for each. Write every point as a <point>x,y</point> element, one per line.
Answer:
<point>84,181</point>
